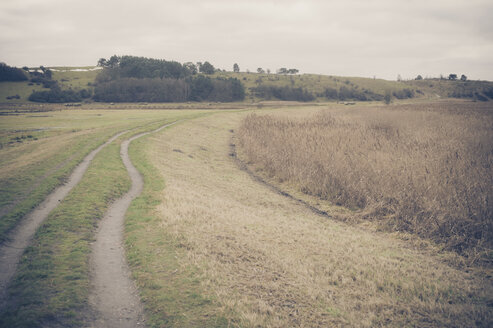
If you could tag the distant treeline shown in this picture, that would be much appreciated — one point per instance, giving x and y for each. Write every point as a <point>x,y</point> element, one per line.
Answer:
<point>283,93</point>
<point>12,74</point>
<point>56,95</point>
<point>346,93</point>
<point>140,67</point>
<point>343,93</point>
<point>473,90</point>
<point>139,79</point>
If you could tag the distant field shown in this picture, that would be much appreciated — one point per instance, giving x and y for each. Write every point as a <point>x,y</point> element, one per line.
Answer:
<point>425,169</point>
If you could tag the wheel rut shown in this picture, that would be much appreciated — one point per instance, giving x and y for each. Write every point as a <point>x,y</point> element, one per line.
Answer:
<point>114,297</point>
<point>17,241</point>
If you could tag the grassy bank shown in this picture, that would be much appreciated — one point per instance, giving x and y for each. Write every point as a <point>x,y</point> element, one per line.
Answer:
<point>424,169</point>
<point>172,293</point>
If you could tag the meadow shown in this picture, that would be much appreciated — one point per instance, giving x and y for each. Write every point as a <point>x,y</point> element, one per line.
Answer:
<point>210,246</point>
<point>423,169</point>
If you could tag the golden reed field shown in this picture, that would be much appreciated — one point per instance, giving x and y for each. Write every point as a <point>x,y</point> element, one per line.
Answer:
<point>424,169</point>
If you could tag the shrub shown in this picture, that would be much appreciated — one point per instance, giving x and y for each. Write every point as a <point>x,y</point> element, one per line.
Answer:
<point>59,96</point>
<point>283,93</point>
<point>141,90</point>
<point>12,74</point>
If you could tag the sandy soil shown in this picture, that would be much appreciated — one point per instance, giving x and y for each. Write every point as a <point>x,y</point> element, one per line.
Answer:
<point>21,236</point>
<point>114,296</point>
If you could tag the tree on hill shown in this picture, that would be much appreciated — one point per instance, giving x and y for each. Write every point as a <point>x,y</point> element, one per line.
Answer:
<point>102,62</point>
<point>452,77</point>
<point>463,77</point>
<point>236,68</point>
<point>419,77</point>
<point>207,68</point>
<point>284,70</point>
<point>191,67</point>
<point>260,70</point>
<point>113,62</point>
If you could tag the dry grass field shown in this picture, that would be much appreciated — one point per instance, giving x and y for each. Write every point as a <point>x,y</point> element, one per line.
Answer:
<point>220,241</point>
<point>419,168</point>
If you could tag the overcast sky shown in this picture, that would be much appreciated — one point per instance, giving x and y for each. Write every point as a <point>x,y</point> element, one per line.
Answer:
<point>381,38</point>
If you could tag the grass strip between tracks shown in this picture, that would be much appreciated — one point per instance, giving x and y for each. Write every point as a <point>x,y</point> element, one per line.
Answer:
<point>172,294</point>
<point>41,178</point>
<point>52,282</point>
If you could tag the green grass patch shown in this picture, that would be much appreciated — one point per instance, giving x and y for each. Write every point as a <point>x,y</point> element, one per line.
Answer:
<point>52,282</point>
<point>70,79</point>
<point>23,89</point>
<point>25,189</point>
<point>51,285</point>
<point>171,293</point>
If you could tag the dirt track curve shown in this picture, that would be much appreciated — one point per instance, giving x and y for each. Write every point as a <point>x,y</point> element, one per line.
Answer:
<point>114,296</point>
<point>17,241</point>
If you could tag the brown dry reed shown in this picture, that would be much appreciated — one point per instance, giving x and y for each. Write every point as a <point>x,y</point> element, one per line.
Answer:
<point>424,169</point>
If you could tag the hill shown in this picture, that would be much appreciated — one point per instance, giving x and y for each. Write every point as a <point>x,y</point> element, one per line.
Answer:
<point>263,86</point>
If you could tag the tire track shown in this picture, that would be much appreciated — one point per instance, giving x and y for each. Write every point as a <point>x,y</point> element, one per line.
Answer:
<point>21,236</point>
<point>114,296</point>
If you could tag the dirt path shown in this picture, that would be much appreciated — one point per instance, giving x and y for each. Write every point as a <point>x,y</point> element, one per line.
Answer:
<point>114,296</point>
<point>21,236</point>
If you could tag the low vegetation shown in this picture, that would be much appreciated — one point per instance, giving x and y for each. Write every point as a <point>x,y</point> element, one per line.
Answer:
<point>14,74</point>
<point>56,95</point>
<point>420,169</point>
<point>283,93</point>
